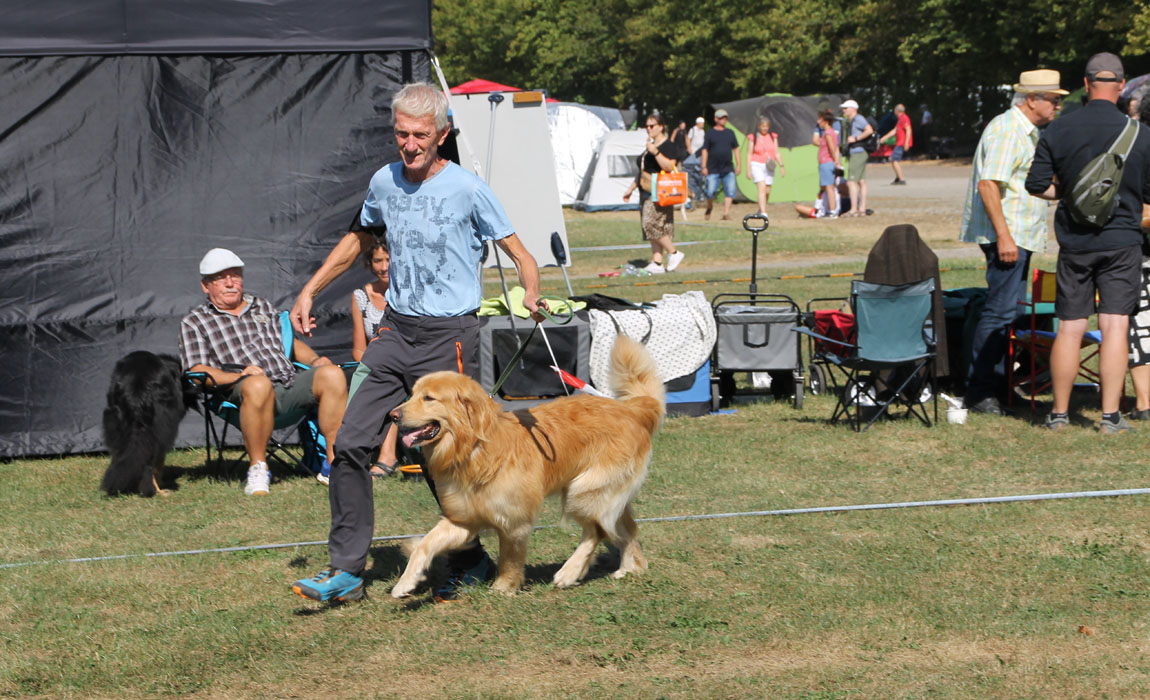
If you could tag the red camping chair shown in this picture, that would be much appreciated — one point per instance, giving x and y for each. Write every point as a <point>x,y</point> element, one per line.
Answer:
<point>1030,346</point>
<point>839,336</point>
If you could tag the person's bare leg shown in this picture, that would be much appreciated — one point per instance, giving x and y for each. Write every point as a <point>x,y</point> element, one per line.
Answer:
<point>832,200</point>
<point>1113,358</point>
<point>862,198</point>
<point>1140,377</point>
<point>657,251</point>
<point>1065,356</point>
<point>727,202</point>
<point>763,190</point>
<point>257,415</point>
<point>853,189</point>
<point>897,169</point>
<point>329,387</point>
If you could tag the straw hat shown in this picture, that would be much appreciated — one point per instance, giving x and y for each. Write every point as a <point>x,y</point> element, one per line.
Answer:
<point>1043,80</point>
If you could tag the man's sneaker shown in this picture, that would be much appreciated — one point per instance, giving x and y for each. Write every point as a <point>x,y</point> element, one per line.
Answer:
<point>330,584</point>
<point>258,480</point>
<point>989,406</point>
<point>674,259</point>
<point>324,476</point>
<point>1054,422</point>
<point>654,268</point>
<point>1140,414</point>
<point>1121,426</point>
<point>452,588</point>
<point>898,182</point>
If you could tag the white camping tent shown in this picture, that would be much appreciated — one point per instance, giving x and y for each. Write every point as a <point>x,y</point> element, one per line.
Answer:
<point>522,174</point>
<point>576,131</point>
<point>615,165</point>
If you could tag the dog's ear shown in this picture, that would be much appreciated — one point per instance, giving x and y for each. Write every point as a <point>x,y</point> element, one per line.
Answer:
<point>480,409</point>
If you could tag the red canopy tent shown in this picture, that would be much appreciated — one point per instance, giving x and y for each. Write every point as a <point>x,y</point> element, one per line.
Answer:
<point>478,85</point>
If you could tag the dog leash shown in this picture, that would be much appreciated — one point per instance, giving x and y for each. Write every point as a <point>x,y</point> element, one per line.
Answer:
<point>558,318</point>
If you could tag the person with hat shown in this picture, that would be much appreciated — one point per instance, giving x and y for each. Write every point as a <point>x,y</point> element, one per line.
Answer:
<point>1008,224</point>
<point>858,130</point>
<point>235,338</point>
<point>719,147</point>
<point>1094,261</point>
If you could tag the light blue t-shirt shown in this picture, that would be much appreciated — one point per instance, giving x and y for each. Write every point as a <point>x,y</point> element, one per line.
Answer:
<point>435,234</point>
<point>858,125</point>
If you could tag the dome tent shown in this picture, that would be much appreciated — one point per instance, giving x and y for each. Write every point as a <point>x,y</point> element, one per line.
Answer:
<point>793,119</point>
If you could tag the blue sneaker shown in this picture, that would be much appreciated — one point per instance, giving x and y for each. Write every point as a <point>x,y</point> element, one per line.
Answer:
<point>452,588</point>
<point>329,584</point>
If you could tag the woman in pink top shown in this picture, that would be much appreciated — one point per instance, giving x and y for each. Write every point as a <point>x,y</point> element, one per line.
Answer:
<point>762,155</point>
<point>827,140</point>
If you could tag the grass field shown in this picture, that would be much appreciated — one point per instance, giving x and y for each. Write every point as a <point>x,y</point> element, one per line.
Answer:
<point>1024,600</point>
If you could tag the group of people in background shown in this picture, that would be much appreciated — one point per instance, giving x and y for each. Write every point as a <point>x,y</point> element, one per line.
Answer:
<point>1103,266</point>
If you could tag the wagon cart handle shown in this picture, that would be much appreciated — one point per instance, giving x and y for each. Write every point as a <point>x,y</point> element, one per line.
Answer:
<point>755,231</point>
<point>755,228</point>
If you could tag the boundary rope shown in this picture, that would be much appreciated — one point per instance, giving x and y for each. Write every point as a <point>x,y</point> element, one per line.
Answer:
<point>666,519</point>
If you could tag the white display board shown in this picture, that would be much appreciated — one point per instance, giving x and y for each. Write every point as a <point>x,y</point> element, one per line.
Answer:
<point>522,165</point>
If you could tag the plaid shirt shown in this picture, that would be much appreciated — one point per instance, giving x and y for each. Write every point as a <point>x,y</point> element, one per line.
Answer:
<point>215,338</point>
<point>1004,154</point>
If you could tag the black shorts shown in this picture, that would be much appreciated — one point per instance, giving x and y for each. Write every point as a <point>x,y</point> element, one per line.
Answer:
<point>1115,275</point>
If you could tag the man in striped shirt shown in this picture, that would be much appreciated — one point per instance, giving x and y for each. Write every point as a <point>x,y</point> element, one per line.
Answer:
<point>1008,224</point>
<point>235,338</point>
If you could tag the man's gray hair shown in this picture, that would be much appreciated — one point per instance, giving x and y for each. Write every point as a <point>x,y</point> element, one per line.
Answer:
<point>420,100</point>
<point>1019,98</point>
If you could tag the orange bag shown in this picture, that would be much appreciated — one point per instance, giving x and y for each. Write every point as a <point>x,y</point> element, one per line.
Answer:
<point>669,189</point>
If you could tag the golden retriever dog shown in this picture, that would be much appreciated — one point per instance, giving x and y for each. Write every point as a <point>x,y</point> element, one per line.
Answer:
<point>492,469</point>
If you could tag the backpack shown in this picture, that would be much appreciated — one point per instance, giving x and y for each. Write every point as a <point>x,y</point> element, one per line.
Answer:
<point>870,143</point>
<point>1092,199</point>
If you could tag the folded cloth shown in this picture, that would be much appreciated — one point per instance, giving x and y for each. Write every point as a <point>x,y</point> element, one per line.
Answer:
<point>497,306</point>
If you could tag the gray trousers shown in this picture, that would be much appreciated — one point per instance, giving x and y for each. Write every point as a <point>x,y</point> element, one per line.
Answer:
<point>406,348</point>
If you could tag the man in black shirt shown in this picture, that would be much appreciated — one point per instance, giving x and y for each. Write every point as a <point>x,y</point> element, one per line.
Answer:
<point>719,146</point>
<point>1105,260</point>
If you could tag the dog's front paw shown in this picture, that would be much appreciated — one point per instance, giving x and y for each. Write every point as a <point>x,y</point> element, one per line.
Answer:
<point>565,579</point>
<point>507,586</point>
<point>402,589</point>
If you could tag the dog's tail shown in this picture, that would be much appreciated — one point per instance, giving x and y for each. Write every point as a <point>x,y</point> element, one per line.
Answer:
<point>635,378</point>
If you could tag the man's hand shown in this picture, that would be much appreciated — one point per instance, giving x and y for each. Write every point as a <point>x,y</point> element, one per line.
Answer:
<point>533,304</point>
<point>301,319</point>
<point>251,370</point>
<point>1007,250</point>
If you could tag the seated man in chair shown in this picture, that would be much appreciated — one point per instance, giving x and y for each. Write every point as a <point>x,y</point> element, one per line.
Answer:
<point>241,330</point>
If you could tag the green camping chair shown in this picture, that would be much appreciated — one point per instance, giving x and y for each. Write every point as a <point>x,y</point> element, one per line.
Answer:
<point>308,459</point>
<point>892,361</point>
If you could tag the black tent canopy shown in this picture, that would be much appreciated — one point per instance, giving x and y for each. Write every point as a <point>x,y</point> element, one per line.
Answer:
<point>136,135</point>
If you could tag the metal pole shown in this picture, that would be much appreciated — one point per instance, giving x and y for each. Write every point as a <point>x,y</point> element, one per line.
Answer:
<point>495,98</point>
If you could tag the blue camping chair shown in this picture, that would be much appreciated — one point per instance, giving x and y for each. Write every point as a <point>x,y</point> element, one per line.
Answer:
<point>308,459</point>
<point>893,357</point>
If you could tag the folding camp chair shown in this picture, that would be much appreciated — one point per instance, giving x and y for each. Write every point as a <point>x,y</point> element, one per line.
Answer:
<point>892,358</point>
<point>836,323</point>
<point>1030,346</point>
<point>306,459</point>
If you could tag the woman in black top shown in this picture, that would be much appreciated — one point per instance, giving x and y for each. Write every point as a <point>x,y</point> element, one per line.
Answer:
<point>658,222</point>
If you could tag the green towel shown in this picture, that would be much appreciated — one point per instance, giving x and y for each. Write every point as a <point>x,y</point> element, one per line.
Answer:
<point>497,306</point>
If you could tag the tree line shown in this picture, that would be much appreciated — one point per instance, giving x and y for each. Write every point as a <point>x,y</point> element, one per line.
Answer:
<point>680,56</point>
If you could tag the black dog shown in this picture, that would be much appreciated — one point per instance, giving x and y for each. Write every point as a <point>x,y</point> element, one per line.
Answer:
<point>146,400</point>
